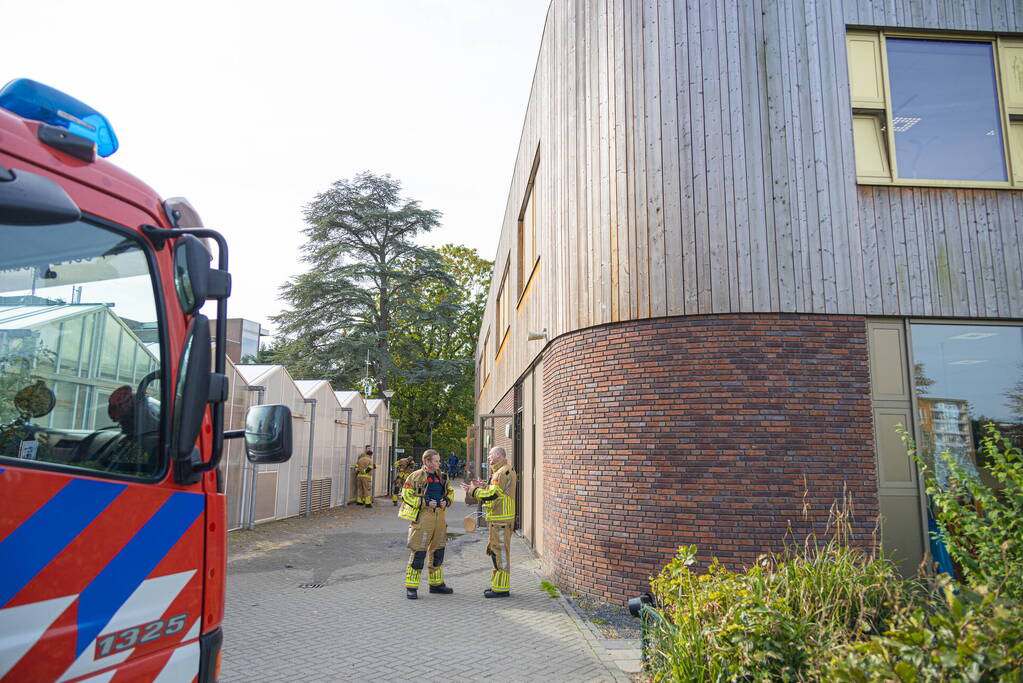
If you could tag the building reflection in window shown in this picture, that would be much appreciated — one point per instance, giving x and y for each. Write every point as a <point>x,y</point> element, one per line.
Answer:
<point>966,376</point>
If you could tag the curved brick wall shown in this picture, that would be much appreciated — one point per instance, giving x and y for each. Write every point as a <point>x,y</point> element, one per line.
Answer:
<point>700,430</point>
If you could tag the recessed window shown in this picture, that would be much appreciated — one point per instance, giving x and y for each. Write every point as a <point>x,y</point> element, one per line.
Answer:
<point>529,238</point>
<point>936,111</point>
<point>503,308</point>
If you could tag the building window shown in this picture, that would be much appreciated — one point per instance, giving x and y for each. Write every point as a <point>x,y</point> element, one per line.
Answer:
<point>964,377</point>
<point>936,110</point>
<point>484,366</point>
<point>503,309</point>
<point>529,237</point>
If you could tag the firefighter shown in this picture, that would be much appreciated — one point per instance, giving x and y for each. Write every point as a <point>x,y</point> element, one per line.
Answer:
<point>402,468</point>
<point>426,495</point>
<point>498,498</point>
<point>364,478</point>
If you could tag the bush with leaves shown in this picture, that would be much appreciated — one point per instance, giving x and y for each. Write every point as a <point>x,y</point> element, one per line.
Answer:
<point>779,620</point>
<point>970,635</point>
<point>982,527</point>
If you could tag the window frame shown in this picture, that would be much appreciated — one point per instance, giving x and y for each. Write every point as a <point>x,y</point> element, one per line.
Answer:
<point>160,302</point>
<point>527,271</point>
<point>881,110</point>
<point>503,308</point>
<point>484,365</point>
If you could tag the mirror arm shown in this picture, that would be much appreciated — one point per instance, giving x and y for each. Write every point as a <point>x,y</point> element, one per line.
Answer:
<point>219,358</point>
<point>234,433</point>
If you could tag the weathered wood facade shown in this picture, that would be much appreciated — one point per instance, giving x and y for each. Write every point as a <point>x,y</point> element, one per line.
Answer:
<point>696,157</point>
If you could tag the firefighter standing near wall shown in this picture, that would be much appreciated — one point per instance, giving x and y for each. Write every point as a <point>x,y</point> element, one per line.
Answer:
<point>402,468</point>
<point>426,495</point>
<point>364,478</point>
<point>498,498</point>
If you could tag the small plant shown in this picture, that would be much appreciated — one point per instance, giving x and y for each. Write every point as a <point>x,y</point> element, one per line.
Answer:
<point>982,527</point>
<point>550,589</point>
<point>778,620</point>
<point>972,635</point>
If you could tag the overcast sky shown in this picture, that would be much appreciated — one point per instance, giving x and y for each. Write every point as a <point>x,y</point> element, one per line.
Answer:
<point>251,108</point>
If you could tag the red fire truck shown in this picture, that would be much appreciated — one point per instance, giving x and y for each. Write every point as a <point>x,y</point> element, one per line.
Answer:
<point>112,513</point>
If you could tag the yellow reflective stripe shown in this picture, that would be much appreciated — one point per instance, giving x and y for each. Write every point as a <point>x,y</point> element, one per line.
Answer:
<point>501,581</point>
<point>488,492</point>
<point>437,576</point>
<point>412,578</point>
<point>411,498</point>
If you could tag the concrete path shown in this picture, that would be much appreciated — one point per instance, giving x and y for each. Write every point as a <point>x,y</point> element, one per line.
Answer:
<point>354,622</point>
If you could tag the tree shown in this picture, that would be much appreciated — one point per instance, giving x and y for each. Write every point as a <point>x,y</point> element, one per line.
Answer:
<point>365,272</point>
<point>435,377</point>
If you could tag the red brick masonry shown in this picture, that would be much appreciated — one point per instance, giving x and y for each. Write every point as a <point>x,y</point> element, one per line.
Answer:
<point>715,431</point>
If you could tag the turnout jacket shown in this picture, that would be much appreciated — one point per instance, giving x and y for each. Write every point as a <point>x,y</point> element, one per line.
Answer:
<point>413,492</point>
<point>498,497</point>
<point>365,466</point>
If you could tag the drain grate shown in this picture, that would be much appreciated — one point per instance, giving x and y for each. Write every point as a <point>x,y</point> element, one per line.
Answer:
<point>311,585</point>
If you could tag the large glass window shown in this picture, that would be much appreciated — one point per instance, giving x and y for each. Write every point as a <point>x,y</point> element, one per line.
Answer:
<point>78,385</point>
<point>966,376</point>
<point>945,113</point>
<point>934,110</point>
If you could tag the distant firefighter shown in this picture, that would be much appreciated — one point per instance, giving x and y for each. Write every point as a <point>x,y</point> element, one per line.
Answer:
<point>364,478</point>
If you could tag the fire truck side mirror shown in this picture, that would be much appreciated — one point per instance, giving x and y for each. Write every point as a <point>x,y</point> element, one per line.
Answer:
<point>192,389</point>
<point>268,434</point>
<point>194,280</point>
<point>30,199</point>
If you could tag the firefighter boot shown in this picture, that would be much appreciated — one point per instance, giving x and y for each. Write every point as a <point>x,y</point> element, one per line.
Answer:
<point>490,593</point>
<point>436,575</point>
<point>413,593</point>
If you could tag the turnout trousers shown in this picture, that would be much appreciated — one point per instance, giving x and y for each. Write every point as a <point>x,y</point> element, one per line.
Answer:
<point>364,489</point>
<point>426,539</point>
<point>499,549</point>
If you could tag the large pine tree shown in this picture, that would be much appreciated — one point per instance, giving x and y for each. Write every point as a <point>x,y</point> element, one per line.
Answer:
<point>365,273</point>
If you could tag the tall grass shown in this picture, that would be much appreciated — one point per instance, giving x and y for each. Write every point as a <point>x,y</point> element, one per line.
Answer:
<point>779,620</point>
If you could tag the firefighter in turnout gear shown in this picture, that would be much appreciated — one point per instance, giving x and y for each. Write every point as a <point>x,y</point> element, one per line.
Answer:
<point>426,495</point>
<point>364,478</point>
<point>402,468</point>
<point>498,498</point>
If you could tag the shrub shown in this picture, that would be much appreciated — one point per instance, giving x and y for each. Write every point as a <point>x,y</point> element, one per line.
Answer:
<point>779,620</point>
<point>983,528</point>
<point>973,635</point>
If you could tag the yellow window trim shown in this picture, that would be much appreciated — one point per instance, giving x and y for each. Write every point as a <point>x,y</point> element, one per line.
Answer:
<point>529,283</point>
<point>863,82</point>
<point>504,339</point>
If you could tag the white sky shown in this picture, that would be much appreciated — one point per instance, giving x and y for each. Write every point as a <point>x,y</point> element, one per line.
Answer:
<point>251,108</point>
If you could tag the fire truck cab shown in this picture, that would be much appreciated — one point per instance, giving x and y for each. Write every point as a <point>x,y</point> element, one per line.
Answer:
<point>112,514</point>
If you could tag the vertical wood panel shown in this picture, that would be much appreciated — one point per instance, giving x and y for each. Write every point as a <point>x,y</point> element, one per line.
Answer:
<point>696,157</point>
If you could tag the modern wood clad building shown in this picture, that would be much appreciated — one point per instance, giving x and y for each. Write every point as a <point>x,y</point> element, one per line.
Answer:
<point>757,234</point>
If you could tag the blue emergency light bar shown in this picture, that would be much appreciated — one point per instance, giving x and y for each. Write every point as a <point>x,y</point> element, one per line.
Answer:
<point>39,102</point>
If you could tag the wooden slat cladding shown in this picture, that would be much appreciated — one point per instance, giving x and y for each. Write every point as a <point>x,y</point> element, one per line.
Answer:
<point>696,157</point>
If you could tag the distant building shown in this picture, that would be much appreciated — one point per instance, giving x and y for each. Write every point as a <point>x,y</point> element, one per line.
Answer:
<point>242,338</point>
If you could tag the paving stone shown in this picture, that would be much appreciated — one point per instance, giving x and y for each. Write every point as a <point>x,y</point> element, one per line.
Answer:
<point>359,625</point>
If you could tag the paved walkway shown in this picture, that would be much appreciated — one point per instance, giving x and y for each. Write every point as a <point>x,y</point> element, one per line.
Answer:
<point>358,625</point>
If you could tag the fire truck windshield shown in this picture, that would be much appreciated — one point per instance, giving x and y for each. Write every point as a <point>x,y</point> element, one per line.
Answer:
<point>80,358</point>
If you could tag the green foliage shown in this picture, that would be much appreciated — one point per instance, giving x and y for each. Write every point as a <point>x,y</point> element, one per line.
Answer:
<point>835,613</point>
<point>549,588</point>
<point>434,350</point>
<point>373,292</point>
<point>975,635</point>
<point>776,621</point>
<point>983,527</point>
<point>365,269</point>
